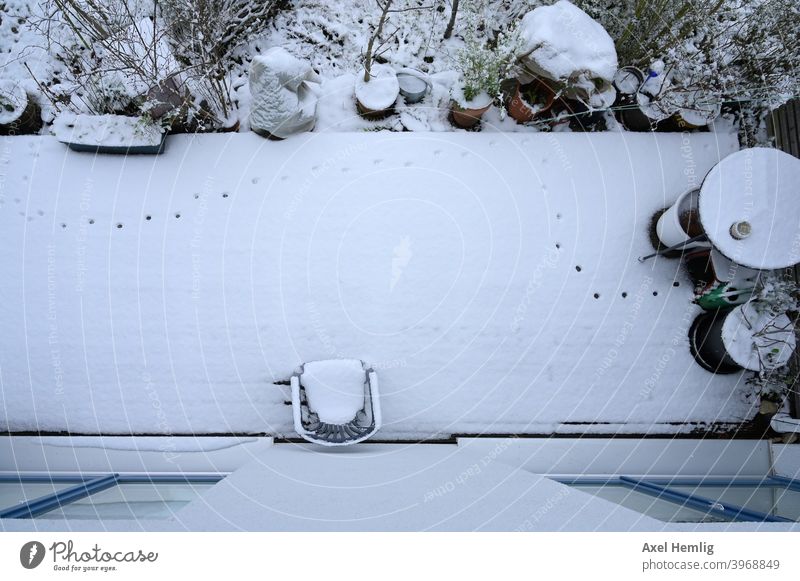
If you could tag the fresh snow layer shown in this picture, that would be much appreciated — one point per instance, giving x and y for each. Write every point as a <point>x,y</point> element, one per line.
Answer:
<point>335,388</point>
<point>447,262</point>
<point>106,130</point>
<point>382,89</point>
<point>563,41</point>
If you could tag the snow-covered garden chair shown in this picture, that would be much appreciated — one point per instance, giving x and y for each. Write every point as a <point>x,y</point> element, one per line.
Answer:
<point>283,100</point>
<point>335,402</point>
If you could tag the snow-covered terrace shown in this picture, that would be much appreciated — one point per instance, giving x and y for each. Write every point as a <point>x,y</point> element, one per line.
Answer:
<point>490,278</point>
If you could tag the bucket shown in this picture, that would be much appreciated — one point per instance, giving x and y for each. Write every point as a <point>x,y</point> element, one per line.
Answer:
<point>681,221</point>
<point>413,85</point>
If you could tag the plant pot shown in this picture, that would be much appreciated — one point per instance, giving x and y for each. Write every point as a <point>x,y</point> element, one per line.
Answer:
<point>582,118</point>
<point>467,117</point>
<point>375,98</point>
<point>744,337</point>
<point>520,106</point>
<point>112,134</point>
<point>643,113</point>
<point>120,149</point>
<point>19,114</point>
<point>707,346</point>
<point>681,222</point>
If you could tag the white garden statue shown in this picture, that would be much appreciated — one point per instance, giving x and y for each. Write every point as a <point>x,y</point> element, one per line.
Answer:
<point>284,99</point>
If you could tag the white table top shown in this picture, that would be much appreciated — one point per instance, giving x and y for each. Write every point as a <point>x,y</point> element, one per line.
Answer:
<point>760,186</point>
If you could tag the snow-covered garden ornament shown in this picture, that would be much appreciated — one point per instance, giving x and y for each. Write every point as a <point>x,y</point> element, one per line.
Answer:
<point>335,402</point>
<point>284,101</point>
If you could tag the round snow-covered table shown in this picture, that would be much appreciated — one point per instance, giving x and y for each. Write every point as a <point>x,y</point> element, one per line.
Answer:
<point>750,208</point>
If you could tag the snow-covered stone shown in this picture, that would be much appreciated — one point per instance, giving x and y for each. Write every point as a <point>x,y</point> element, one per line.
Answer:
<point>283,100</point>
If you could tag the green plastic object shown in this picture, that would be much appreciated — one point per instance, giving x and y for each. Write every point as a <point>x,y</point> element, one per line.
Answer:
<point>723,295</point>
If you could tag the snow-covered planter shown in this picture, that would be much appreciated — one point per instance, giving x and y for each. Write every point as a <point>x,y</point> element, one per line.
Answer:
<point>530,100</point>
<point>482,70</point>
<point>109,134</point>
<point>375,97</point>
<point>467,112</point>
<point>335,402</point>
<point>283,99</point>
<point>751,336</point>
<point>19,114</point>
<point>564,44</point>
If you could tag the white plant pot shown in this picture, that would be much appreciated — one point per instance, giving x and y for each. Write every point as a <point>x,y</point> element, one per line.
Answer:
<point>669,229</point>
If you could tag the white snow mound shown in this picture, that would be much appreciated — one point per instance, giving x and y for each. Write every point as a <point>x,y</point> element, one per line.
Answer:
<point>106,130</point>
<point>562,42</point>
<point>382,89</point>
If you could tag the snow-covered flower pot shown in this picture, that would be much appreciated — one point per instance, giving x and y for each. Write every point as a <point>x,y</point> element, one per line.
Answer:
<point>284,101</point>
<point>114,134</point>
<point>467,113</point>
<point>335,402</point>
<point>375,98</point>
<point>749,336</point>
<point>414,85</point>
<point>681,222</point>
<point>19,115</point>
<point>530,101</point>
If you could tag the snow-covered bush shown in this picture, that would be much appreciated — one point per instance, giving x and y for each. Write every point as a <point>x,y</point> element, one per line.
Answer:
<point>282,103</point>
<point>205,35</point>
<point>483,64</point>
<point>112,52</point>
<point>712,50</point>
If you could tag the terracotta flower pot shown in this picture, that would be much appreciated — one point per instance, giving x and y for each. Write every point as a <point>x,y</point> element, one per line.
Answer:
<point>373,114</point>
<point>520,109</point>
<point>466,117</point>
